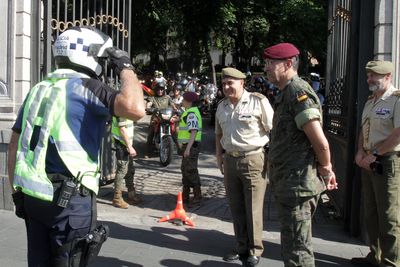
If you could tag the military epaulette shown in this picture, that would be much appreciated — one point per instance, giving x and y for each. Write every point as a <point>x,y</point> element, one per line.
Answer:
<point>396,93</point>
<point>259,95</point>
<point>370,97</point>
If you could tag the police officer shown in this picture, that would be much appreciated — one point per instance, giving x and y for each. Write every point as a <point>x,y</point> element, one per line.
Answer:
<point>298,153</point>
<point>53,152</point>
<point>378,156</point>
<point>189,138</point>
<point>242,125</point>
<point>122,132</point>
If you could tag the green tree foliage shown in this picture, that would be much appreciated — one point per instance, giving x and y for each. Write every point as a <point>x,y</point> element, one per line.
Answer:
<point>190,28</point>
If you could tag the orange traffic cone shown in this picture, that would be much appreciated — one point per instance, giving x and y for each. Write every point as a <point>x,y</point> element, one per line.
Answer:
<point>178,213</point>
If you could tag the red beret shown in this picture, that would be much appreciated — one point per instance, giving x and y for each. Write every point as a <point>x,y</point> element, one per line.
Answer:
<point>281,51</point>
<point>190,96</point>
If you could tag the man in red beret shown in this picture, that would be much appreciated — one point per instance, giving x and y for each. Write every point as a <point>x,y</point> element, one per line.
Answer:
<point>299,164</point>
<point>189,137</point>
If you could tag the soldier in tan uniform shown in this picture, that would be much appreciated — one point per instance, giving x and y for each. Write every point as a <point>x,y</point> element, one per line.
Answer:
<point>378,156</point>
<point>242,125</point>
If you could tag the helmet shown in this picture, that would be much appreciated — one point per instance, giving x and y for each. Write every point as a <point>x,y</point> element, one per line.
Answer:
<point>178,87</point>
<point>204,80</point>
<point>178,76</point>
<point>258,80</point>
<point>81,48</point>
<point>314,76</point>
<point>160,74</point>
<point>184,82</point>
<point>160,85</point>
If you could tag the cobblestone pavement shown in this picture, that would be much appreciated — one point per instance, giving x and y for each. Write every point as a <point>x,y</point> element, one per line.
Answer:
<point>137,238</point>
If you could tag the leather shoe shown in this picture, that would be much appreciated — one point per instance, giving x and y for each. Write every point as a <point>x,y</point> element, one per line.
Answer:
<point>361,261</point>
<point>231,257</point>
<point>252,260</point>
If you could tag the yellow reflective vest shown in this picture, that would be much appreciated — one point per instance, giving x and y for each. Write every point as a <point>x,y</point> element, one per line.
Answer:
<point>45,107</point>
<point>184,133</point>
<point>116,132</point>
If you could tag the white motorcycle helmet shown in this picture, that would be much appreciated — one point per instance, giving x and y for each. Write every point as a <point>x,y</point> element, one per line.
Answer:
<point>80,48</point>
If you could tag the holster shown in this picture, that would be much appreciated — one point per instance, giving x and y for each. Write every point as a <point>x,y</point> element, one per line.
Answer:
<point>19,202</point>
<point>86,249</point>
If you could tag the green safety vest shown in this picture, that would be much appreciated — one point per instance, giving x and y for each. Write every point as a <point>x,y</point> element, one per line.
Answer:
<point>116,132</point>
<point>45,107</point>
<point>184,134</point>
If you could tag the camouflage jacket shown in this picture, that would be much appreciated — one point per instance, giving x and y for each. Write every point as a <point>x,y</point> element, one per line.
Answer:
<point>160,102</point>
<point>291,159</point>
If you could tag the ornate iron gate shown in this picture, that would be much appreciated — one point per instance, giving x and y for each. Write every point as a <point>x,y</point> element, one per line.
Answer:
<point>348,48</point>
<point>53,17</point>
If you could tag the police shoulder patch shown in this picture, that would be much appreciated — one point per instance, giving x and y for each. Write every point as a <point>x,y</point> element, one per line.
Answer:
<point>261,96</point>
<point>301,96</point>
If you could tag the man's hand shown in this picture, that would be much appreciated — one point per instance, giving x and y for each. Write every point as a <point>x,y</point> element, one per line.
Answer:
<point>366,162</point>
<point>186,153</point>
<point>119,60</point>
<point>132,152</point>
<point>328,176</point>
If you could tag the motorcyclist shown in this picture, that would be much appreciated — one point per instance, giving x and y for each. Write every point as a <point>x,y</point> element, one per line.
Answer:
<point>160,100</point>
<point>176,96</point>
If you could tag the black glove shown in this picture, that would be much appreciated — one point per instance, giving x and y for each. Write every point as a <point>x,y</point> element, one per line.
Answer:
<point>18,199</point>
<point>119,60</point>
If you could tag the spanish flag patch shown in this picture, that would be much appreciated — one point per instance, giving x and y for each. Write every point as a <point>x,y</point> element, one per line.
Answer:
<point>301,96</point>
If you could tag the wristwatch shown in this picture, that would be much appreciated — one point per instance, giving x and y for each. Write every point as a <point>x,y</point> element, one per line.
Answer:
<point>375,152</point>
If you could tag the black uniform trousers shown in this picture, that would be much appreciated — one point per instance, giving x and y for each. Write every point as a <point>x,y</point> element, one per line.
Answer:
<point>49,227</point>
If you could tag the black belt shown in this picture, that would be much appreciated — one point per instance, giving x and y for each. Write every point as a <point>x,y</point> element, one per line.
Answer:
<point>57,179</point>
<point>388,155</point>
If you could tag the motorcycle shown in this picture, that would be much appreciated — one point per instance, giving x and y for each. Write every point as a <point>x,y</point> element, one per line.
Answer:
<point>164,128</point>
<point>207,98</point>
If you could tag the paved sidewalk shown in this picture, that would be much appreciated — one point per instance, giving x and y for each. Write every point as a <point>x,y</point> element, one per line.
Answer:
<point>138,239</point>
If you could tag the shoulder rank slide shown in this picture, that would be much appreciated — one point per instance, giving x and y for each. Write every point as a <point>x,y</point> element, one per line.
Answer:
<point>261,96</point>
<point>301,96</point>
<point>396,93</point>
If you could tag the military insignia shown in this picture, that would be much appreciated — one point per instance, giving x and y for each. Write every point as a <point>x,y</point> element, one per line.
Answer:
<point>396,93</point>
<point>301,96</point>
<point>261,96</point>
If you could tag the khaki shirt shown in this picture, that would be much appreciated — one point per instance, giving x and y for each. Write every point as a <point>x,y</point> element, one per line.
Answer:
<point>380,118</point>
<point>246,126</point>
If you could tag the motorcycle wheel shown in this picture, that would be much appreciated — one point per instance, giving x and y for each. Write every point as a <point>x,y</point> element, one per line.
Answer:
<point>166,150</point>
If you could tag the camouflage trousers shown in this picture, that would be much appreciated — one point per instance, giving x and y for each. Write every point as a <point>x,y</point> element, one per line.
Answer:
<point>190,172</point>
<point>381,211</point>
<point>295,216</point>
<point>125,168</point>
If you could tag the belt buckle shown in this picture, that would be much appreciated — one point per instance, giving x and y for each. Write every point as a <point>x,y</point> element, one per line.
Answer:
<point>236,154</point>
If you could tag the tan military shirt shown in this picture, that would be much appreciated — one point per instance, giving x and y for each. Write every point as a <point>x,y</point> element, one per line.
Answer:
<point>380,118</point>
<point>246,126</point>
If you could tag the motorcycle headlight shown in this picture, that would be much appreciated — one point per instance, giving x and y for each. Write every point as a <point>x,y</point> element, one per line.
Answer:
<point>165,116</point>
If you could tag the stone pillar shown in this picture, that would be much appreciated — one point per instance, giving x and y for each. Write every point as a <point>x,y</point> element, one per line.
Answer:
<point>15,78</point>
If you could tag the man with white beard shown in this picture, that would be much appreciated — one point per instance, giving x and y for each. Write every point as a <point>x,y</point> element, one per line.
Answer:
<point>378,156</point>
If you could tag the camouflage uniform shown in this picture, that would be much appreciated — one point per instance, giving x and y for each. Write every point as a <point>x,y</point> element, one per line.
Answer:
<point>159,102</point>
<point>125,163</point>
<point>292,170</point>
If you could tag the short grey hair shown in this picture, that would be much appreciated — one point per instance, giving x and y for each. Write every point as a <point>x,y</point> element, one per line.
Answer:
<point>295,62</point>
